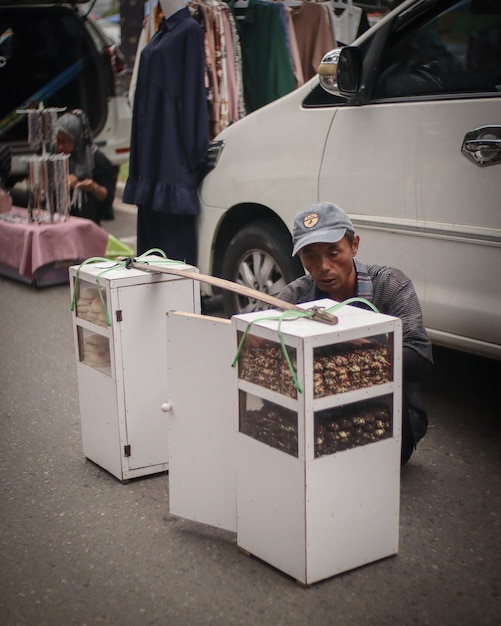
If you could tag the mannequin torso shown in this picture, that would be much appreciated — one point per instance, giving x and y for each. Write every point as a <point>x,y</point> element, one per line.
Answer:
<point>169,7</point>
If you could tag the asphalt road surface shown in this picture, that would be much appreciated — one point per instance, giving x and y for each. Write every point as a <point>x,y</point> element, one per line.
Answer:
<point>77,547</point>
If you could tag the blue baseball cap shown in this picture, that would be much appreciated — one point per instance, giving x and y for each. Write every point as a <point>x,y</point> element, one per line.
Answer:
<point>323,222</point>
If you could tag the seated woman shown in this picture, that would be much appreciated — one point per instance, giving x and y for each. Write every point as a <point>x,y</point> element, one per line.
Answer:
<point>92,179</point>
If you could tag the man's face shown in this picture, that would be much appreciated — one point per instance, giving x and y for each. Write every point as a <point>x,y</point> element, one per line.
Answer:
<point>331,266</point>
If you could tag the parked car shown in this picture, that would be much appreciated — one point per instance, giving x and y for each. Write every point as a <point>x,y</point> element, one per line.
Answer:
<point>407,139</point>
<point>53,53</point>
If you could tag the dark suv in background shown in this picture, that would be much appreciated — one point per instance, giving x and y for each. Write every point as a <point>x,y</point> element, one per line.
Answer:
<point>57,54</point>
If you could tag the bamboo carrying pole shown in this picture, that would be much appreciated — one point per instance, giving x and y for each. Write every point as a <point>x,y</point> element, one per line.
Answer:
<point>318,314</point>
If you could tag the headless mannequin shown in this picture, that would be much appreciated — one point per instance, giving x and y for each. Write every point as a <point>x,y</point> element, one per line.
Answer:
<point>169,7</point>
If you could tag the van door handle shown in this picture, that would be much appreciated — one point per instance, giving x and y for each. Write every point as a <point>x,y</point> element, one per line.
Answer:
<point>483,145</point>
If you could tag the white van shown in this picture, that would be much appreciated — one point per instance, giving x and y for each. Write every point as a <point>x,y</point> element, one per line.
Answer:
<point>407,139</point>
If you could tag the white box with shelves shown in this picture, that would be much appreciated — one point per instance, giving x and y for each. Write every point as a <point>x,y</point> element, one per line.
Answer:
<point>120,343</point>
<point>312,481</point>
<point>321,496</point>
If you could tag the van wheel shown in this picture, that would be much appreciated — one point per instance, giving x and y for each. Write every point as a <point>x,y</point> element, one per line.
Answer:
<point>259,257</point>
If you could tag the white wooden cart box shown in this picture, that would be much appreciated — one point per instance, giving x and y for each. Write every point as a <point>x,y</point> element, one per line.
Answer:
<point>329,501</point>
<point>122,367</point>
<point>316,474</point>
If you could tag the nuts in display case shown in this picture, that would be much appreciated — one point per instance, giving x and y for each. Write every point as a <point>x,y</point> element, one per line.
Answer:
<point>347,382</point>
<point>337,368</point>
<point>263,363</point>
<point>345,427</point>
<point>335,429</point>
<point>268,423</point>
<point>350,365</point>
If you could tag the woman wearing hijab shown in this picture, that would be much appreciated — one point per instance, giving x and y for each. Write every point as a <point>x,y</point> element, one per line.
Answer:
<point>92,179</point>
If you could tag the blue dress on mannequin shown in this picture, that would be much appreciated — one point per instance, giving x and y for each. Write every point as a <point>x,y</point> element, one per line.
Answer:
<point>169,138</point>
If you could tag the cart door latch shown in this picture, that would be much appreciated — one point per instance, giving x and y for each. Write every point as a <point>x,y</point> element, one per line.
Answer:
<point>119,315</point>
<point>127,450</point>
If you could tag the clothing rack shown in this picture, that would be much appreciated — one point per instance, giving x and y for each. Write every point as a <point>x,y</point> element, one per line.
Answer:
<point>345,16</point>
<point>235,85</point>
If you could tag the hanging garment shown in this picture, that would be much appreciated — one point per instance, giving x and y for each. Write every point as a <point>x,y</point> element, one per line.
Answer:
<point>266,65</point>
<point>233,59</point>
<point>346,23</point>
<point>314,35</point>
<point>205,17</point>
<point>149,28</point>
<point>169,136</point>
<point>294,50</point>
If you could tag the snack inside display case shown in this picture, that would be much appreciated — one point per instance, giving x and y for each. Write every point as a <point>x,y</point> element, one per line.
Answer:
<point>94,350</point>
<point>352,425</point>
<point>91,311</point>
<point>335,429</point>
<point>268,423</point>
<point>351,365</point>
<point>264,363</point>
<point>336,369</point>
<point>90,303</point>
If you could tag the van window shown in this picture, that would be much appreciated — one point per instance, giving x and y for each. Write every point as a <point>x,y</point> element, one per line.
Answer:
<point>456,52</point>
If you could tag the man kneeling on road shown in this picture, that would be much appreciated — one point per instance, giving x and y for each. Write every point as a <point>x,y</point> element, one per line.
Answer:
<point>325,240</point>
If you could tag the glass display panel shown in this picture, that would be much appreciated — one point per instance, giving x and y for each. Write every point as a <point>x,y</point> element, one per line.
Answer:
<point>353,425</point>
<point>263,363</point>
<point>269,423</point>
<point>89,304</point>
<point>352,365</point>
<point>94,350</point>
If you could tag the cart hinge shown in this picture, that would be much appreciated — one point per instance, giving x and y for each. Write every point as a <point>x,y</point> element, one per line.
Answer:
<point>127,450</point>
<point>119,315</point>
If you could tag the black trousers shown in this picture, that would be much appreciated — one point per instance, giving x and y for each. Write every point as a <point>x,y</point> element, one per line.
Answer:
<point>173,234</point>
<point>414,420</point>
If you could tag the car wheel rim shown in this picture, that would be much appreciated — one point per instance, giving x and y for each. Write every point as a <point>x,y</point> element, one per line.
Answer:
<point>258,270</point>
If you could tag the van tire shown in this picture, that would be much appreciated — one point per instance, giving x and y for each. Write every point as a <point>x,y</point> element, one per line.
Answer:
<point>258,256</point>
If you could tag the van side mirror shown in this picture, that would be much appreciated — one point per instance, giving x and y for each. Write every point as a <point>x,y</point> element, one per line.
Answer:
<point>340,71</point>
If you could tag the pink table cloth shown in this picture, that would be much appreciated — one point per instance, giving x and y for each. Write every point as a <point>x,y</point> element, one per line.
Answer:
<point>27,247</point>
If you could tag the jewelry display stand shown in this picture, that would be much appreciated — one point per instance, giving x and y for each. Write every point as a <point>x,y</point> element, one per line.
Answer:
<point>48,193</point>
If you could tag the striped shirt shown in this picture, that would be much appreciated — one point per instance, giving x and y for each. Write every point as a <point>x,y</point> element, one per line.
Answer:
<point>391,292</point>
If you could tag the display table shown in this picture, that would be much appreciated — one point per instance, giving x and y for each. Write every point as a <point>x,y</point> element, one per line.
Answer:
<point>40,254</point>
